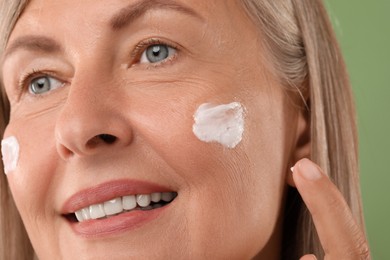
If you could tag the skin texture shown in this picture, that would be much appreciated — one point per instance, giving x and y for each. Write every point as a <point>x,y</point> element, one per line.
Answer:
<point>230,201</point>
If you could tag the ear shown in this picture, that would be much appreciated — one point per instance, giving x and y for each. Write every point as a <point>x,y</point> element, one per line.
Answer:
<point>302,147</point>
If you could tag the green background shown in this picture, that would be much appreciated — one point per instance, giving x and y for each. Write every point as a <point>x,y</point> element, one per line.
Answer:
<point>363,29</point>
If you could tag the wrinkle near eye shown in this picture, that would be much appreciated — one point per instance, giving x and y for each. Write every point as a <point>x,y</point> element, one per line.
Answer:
<point>34,111</point>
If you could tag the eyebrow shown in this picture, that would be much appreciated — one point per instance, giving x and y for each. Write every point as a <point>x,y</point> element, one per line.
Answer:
<point>35,43</point>
<point>133,11</point>
<point>127,15</point>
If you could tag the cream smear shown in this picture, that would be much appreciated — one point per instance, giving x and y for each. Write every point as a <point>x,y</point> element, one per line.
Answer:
<point>223,124</point>
<point>10,152</point>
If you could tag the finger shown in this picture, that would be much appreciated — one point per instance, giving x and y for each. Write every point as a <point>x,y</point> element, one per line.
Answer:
<point>308,257</point>
<point>340,236</point>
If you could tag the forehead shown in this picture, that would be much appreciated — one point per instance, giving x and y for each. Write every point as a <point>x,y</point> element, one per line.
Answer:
<point>62,18</point>
<point>90,21</point>
<point>89,12</point>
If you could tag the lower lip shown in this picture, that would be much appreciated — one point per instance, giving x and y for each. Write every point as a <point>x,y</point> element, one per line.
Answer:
<point>116,224</point>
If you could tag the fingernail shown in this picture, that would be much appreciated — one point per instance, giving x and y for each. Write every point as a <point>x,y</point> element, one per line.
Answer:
<point>292,169</point>
<point>309,170</point>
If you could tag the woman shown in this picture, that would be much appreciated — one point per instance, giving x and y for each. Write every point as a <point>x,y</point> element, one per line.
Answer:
<point>167,129</point>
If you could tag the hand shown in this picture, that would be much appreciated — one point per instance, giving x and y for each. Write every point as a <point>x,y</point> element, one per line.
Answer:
<point>340,236</point>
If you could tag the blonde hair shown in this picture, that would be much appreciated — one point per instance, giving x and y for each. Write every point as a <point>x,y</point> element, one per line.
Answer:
<point>306,56</point>
<point>14,242</point>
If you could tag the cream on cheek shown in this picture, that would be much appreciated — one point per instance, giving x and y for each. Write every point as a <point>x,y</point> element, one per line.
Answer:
<point>10,153</point>
<point>223,124</point>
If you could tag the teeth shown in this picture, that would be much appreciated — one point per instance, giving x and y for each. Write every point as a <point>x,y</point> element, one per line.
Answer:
<point>96,211</point>
<point>167,196</point>
<point>113,207</point>
<point>79,216</point>
<point>129,202</point>
<point>156,197</point>
<point>143,200</point>
<point>83,214</point>
<point>125,203</point>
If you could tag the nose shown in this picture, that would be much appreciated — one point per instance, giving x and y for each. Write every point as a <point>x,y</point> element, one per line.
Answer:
<point>91,121</point>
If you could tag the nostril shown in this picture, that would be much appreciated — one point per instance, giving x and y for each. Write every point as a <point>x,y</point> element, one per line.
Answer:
<point>109,139</point>
<point>100,139</point>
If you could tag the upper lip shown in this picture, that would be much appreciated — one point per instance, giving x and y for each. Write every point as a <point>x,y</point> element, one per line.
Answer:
<point>109,190</point>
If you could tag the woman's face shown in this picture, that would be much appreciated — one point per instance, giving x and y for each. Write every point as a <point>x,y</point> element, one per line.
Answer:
<point>103,97</point>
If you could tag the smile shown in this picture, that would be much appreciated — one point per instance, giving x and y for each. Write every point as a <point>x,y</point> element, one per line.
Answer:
<point>116,206</point>
<point>123,204</point>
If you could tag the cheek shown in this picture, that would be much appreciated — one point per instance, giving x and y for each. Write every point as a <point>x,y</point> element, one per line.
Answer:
<point>234,176</point>
<point>30,181</point>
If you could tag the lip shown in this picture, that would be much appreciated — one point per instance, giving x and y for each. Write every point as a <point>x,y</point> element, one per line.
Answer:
<point>100,228</point>
<point>114,224</point>
<point>107,191</point>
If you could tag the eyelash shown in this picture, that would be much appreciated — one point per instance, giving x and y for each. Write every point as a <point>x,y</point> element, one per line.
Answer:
<point>143,45</point>
<point>28,77</point>
<point>135,56</point>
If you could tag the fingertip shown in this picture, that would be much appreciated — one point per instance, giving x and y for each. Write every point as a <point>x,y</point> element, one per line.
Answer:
<point>308,170</point>
<point>305,170</point>
<point>308,257</point>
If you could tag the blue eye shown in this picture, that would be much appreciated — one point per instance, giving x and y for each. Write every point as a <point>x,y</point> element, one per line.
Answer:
<point>157,53</point>
<point>43,84</point>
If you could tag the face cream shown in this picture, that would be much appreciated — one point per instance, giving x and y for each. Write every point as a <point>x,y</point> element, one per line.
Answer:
<point>10,152</point>
<point>223,124</point>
